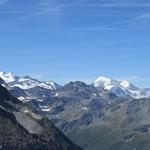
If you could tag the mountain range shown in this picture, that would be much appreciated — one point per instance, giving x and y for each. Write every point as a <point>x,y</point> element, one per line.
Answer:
<point>120,88</point>
<point>106,114</point>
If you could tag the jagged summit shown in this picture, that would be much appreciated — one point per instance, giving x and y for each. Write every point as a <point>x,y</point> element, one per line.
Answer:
<point>7,77</point>
<point>25,82</point>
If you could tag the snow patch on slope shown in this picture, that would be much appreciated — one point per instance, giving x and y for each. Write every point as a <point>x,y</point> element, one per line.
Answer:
<point>125,84</point>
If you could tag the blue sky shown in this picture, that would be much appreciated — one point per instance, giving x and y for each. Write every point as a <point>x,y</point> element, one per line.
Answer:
<point>63,40</point>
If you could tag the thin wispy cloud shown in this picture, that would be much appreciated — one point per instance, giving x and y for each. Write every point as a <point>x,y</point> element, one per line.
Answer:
<point>11,12</point>
<point>105,29</point>
<point>110,5</point>
<point>114,26</point>
<point>142,82</point>
<point>142,17</point>
<point>132,78</point>
<point>135,19</point>
<point>39,8</point>
<point>3,2</point>
<point>128,78</point>
<point>37,57</point>
<point>35,14</point>
<point>58,9</point>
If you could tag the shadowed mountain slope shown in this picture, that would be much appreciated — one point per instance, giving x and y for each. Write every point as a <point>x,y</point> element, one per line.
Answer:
<point>23,128</point>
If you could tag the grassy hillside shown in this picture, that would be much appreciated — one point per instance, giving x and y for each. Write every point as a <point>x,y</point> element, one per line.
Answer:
<point>106,138</point>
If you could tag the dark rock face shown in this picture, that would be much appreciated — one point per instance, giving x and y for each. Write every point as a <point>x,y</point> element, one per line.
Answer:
<point>2,81</point>
<point>17,92</point>
<point>23,128</point>
<point>39,93</point>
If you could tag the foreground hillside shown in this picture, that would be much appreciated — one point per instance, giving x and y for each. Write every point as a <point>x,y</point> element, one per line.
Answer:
<point>22,128</point>
<point>123,126</point>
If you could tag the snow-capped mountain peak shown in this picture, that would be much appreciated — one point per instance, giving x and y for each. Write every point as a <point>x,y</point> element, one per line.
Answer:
<point>120,88</point>
<point>52,84</point>
<point>25,82</point>
<point>28,83</point>
<point>7,77</point>
<point>125,84</point>
<point>105,83</point>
